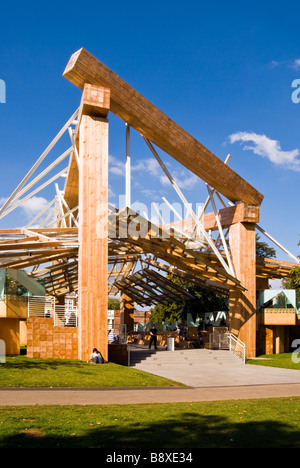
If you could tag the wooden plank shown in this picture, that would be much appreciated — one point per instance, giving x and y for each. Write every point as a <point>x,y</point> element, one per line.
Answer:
<point>93,236</point>
<point>153,124</point>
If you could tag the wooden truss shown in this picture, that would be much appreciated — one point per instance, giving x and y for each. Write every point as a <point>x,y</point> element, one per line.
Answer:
<point>185,248</point>
<point>78,242</point>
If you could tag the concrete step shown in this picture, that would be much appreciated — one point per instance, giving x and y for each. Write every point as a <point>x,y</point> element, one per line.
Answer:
<point>190,357</point>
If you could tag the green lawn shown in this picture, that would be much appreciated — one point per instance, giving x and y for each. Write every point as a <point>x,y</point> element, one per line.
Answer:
<point>20,371</point>
<point>258,423</point>
<point>285,360</point>
<point>264,423</point>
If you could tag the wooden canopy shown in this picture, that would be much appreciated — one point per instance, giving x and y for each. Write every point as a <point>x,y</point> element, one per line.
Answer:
<point>159,250</point>
<point>137,264</point>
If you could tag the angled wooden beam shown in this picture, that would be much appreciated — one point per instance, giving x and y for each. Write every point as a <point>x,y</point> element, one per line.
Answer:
<point>129,105</point>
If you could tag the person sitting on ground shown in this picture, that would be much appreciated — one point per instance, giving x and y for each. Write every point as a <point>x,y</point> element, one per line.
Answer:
<point>96,356</point>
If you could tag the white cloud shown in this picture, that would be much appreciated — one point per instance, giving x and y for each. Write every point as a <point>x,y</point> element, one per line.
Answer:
<point>267,148</point>
<point>30,207</point>
<point>187,181</point>
<point>275,63</point>
<point>150,166</point>
<point>116,167</point>
<point>34,205</point>
<point>296,63</point>
<point>111,193</point>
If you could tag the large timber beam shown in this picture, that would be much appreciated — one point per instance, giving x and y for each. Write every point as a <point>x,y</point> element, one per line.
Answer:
<point>240,213</point>
<point>242,304</point>
<point>129,105</point>
<point>93,230</point>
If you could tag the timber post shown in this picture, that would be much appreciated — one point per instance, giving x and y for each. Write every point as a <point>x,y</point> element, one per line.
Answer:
<point>242,304</point>
<point>127,312</point>
<point>93,223</point>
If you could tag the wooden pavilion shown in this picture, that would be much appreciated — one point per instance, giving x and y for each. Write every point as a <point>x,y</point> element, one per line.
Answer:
<point>95,249</point>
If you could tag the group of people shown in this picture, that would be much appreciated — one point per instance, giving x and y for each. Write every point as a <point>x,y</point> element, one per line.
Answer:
<point>182,332</point>
<point>112,337</point>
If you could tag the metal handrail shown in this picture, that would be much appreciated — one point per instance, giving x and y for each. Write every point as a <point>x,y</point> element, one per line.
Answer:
<point>234,343</point>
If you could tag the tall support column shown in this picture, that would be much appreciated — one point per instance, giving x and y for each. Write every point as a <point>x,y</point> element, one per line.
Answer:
<point>127,312</point>
<point>242,304</point>
<point>93,228</point>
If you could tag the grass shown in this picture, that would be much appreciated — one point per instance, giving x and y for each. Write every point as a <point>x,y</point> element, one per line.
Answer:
<point>257,423</point>
<point>20,371</point>
<point>264,423</point>
<point>285,360</point>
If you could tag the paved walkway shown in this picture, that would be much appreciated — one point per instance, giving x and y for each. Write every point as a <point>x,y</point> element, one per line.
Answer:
<point>203,368</point>
<point>104,396</point>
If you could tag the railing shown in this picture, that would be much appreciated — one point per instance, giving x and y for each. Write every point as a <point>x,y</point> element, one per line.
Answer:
<point>237,347</point>
<point>62,315</point>
<point>221,338</point>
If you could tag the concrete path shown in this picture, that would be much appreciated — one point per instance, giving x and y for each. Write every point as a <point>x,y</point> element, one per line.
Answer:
<point>104,396</point>
<point>209,376</point>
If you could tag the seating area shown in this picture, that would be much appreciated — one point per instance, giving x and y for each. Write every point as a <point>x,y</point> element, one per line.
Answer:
<point>143,338</point>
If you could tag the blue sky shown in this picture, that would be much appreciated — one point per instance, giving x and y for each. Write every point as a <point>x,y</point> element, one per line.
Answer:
<point>222,70</point>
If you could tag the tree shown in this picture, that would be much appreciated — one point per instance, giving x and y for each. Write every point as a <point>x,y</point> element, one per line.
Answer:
<point>204,300</point>
<point>167,312</point>
<point>293,282</point>
<point>113,304</point>
<point>263,250</point>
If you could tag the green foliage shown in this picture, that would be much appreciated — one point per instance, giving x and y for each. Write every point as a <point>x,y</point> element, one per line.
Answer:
<point>204,300</point>
<point>293,282</point>
<point>113,304</point>
<point>171,312</point>
<point>263,250</point>
<point>13,288</point>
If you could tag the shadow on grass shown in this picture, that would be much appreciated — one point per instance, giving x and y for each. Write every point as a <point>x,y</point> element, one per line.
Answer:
<point>185,431</point>
<point>25,363</point>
